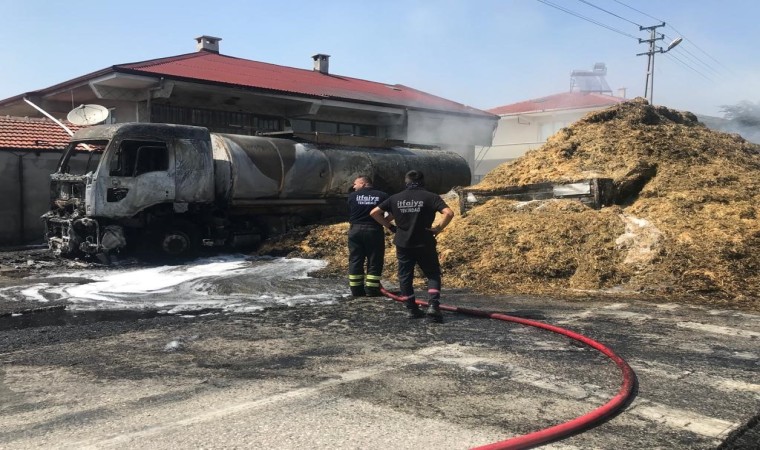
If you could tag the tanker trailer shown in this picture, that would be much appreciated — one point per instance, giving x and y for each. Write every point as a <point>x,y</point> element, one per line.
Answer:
<point>175,188</point>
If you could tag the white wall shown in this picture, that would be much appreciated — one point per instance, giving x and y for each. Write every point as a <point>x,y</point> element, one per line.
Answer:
<point>516,134</point>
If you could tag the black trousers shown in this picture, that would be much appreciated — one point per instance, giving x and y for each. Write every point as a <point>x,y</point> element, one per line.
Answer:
<point>366,251</point>
<point>425,257</point>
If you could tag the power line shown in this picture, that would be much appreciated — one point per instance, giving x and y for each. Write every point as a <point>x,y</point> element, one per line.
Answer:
<point>699,48</point>
<point>640,12</point>
<point>695,70</point>
<point>684,53</point>
<point>693,58</point>
<point>674,29</point>
<point>610,13</point>
<point>654,36</point>
<point>572,13</point>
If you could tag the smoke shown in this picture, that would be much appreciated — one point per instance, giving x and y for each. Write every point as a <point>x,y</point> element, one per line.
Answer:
<point>442,129</point>
<point>752,134</point>
<point>742,118</point>
<point>459,134</point>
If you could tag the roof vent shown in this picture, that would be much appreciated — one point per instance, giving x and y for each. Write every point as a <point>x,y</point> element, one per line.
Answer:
<point>209,43</point>
<point>321,63</point>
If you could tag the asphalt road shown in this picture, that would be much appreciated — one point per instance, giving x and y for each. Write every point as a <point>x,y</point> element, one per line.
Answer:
<point>356,374</point>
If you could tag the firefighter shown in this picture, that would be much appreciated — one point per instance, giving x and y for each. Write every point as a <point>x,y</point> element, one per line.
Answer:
<point>414,211</point>
<point>366,239</point>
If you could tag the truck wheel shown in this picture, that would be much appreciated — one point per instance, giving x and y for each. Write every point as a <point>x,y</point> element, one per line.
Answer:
<point>179,241</point>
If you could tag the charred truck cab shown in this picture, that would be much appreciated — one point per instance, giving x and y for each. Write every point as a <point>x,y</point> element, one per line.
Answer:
<point>175,188</point>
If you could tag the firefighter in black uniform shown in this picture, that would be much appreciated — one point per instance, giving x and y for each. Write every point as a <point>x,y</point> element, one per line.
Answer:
<point>414,211</point>
<point>366,239</point>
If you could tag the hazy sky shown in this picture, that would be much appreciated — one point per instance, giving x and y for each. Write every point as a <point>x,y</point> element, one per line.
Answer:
<point>484,53</point>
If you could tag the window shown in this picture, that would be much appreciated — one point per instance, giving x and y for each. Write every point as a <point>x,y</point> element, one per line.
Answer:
<point>266,124</point>
<point>325,127</point>
<point>300,125</point>
<point>307,126</point>
<point>346,128</point>
<point>366,130</point>
<point>82,157</point>
<point>234,122</point>
<point>137,157</point>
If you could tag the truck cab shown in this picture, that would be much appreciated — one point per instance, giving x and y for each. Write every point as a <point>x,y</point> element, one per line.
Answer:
<point>134,175</point>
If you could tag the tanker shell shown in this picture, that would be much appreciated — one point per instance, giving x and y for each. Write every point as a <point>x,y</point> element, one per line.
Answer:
<point>250,168</point>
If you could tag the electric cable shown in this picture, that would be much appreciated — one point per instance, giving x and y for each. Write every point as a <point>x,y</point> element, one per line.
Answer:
<point>572,13</point>
<point>674,29</point>
<point>688,66</point>
<point>611,13</point>
<point>692,57</point>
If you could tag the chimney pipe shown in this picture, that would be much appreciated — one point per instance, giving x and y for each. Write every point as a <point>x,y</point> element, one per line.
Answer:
<point>322,63</point>
<point>208,43</point>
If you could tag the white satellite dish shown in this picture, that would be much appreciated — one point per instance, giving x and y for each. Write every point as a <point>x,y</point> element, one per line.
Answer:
<point>87,114</point>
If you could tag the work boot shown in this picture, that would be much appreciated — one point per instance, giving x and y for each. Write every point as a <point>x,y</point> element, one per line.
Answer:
<point>413,311</point>
<point>433,311</point>
<point>358,291</point>
<point>373,292</point>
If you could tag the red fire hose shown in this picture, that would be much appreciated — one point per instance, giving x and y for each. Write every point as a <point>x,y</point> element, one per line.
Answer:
<point>572,426</point>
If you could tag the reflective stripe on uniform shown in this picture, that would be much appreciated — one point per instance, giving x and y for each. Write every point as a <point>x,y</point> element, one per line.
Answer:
<point>373,280</point>
<point>356,280</point>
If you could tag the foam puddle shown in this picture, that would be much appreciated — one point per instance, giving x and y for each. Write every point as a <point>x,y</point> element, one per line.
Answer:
<point>231,283</point>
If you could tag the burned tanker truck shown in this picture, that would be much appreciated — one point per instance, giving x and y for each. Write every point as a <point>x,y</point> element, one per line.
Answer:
<point>176,188</point>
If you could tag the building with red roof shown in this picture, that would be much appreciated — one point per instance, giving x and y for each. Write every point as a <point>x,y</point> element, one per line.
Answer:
<point>241,96</point>
<point>31,133</point>
<point>528,124</point>
<point>226,95</point>
<point>552,104</point>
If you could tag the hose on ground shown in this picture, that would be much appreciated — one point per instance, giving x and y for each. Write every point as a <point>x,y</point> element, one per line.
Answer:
<point>557,432</point>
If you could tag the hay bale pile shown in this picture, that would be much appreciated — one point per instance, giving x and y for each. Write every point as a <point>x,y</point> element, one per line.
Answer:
<point>685,223</point>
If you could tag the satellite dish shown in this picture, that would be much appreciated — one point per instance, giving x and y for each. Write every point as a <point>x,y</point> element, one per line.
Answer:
<point>88,114</point>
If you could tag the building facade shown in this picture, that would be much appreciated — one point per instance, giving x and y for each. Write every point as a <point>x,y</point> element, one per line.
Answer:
<point>233,95</point>
<point>240,96</point>
<point>526,125</point>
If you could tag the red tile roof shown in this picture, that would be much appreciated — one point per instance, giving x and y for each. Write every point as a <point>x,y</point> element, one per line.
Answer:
<point>213,67</point>
<point>567,100</point>
<point>23,133</point>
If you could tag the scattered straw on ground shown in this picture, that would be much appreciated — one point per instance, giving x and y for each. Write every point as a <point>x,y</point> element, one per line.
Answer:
<point>685,224</point>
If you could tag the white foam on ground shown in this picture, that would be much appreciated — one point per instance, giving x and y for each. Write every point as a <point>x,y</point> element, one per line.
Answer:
<point>199,285</point>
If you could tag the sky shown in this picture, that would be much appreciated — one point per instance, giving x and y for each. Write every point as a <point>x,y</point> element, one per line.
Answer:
<point>483,53</point>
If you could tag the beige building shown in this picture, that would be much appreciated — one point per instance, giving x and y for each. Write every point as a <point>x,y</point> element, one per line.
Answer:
<point>528,124</point>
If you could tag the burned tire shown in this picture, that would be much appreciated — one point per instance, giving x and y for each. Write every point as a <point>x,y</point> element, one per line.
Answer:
<point>179,241</point>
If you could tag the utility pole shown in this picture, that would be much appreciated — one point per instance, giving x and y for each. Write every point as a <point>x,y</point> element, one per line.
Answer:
<point>649,86</point>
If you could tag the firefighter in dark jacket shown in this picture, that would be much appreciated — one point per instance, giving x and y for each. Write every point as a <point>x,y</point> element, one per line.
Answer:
<point>414,211</point>
<point>366,239</point>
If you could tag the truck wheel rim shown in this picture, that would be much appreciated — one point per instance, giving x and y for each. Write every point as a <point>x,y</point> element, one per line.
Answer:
<point>175,243</point>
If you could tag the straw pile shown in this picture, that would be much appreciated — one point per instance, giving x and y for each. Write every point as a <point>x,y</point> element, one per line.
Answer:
<point>685,224</point>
